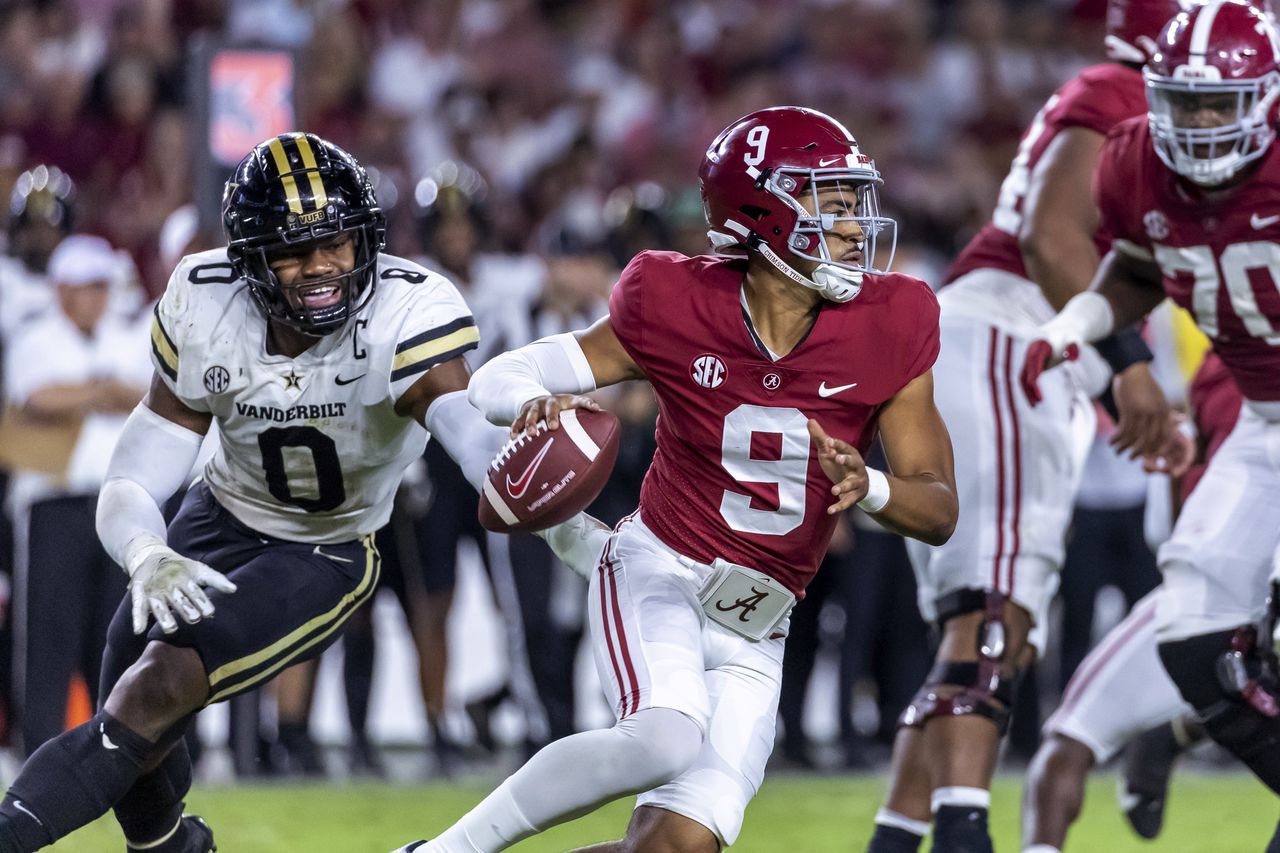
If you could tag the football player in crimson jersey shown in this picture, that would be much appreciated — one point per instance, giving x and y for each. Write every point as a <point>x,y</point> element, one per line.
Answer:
<point>1120,690</point>
<point>1017,469</point>
<point>774,369</point>
<point>1190,195</point>
<point>321,360</point>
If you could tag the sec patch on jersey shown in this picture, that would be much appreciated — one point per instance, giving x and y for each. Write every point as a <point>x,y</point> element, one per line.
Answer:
<point>541,480</point>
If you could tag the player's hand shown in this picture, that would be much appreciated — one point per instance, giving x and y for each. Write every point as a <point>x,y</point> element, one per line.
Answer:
<point>548,409</point>
<point>163,582</point>
<point>1041,357</point>
<point>843,464</point>
<point>1177,455</point>
<point>1145,426</point>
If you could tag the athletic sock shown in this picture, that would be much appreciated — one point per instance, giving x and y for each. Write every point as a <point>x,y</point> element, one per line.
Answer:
<point>1041,848</point>
<point>151,811</point>
<point>897,833</point>
<point>960,820</point>
<point>69,782</point>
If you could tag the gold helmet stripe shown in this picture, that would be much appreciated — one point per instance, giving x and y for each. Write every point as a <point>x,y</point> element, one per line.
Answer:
<point>286,178</point>
<point>313,171</point>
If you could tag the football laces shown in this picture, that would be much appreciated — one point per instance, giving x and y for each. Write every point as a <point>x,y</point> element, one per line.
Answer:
<point>514,444</point>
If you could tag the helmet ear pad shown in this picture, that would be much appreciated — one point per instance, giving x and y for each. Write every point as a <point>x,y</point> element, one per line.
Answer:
<point>295,189</point>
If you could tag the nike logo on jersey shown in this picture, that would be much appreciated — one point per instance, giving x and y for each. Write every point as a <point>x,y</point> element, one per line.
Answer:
<point>827,161</point>
<point>341,381</point>
<point>521,485</point>
<point>1260,222</point>
<point>20,806</point>
<point>107,743</point>
<point>824,391</point>
<point>320,553</point>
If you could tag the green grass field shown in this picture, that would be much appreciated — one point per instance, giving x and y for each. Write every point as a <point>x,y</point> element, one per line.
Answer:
<point>1209,814</point>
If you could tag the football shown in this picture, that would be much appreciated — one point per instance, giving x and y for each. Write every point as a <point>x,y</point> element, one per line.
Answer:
<point>540,480</point>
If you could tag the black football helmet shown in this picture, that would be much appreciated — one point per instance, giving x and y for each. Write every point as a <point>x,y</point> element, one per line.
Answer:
<point>298,188</point>
<point>41,213</point>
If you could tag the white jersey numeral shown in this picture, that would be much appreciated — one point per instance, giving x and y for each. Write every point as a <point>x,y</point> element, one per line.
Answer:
<point>1241,264</point>
<point>1008,213</point>
<point>789,472</point>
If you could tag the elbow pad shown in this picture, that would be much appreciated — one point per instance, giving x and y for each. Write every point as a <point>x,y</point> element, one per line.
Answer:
<point>552,365</point>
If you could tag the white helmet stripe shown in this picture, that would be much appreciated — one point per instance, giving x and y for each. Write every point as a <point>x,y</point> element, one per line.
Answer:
<point>1203,29</point>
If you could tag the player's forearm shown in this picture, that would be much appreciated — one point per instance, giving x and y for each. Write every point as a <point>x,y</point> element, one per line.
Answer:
<point>469,439</point>
<point>152,460</point>
<point>554,365</point>
<point>921,506</point>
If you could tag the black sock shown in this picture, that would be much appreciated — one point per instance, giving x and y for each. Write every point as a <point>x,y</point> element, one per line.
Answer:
<point>69,782</point>
<point>153,806</point>
<point>961,829</point>
<point>893,839</point>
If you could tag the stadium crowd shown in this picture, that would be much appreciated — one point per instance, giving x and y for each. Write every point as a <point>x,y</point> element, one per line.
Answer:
<point>528,150</point>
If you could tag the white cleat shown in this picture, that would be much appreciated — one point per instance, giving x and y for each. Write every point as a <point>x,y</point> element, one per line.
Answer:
<point>411,847</point>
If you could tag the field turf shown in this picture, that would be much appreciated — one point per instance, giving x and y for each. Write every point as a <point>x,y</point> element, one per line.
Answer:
<point>793,814</point>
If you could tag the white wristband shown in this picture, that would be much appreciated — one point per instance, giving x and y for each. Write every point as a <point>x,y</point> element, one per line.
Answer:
<point>1086,318</point>
<point>877,491</point>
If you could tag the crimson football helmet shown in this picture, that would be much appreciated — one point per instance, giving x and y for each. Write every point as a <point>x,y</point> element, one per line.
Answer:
<point>754,176</point>
<point>1132,26</point>
<point>1212,86</point>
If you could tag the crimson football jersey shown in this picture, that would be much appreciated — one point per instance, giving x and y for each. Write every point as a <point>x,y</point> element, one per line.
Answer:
<point>1219,255</point>
<point>1098,98</point>
<point>735,474</point>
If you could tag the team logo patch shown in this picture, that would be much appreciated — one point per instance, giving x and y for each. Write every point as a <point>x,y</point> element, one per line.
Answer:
<point>216,379</point>
<point>772,381</point>
<point>708,371</point>
<point>1156,224</point>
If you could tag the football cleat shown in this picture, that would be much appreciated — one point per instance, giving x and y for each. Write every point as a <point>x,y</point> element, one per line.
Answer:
<point>411,847</point>
<point>193,836</point>
<point>1144,778</point>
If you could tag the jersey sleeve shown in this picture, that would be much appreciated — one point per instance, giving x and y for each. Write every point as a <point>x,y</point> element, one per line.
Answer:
<point>437,326</point>
<point>1114,194</point>
<point>626,308</point>
<point>1100,98</point>
<point>172,316</point>
<point>929,340</point>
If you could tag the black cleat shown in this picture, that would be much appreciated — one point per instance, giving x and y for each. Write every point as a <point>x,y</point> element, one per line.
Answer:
<point>1144,778</point>
<point>192,836</point>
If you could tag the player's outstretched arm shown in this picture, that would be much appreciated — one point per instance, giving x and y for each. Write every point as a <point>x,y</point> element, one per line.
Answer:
<point>538,381</point>
<point>917,497</point>
<point>1059,216</point>
<point>152,460</point>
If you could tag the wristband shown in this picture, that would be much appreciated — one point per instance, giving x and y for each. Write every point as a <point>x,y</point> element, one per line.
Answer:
<point>1123,349</point>
<point>877,491</point>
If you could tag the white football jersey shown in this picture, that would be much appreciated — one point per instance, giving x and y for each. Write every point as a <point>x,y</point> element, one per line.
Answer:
<point>310,448</point>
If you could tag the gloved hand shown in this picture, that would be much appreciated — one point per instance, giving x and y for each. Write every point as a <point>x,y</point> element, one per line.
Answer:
<point>162,581</point>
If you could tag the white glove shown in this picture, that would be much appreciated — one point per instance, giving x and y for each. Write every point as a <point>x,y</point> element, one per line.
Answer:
<point>578,542</point>
<point>161,581</point>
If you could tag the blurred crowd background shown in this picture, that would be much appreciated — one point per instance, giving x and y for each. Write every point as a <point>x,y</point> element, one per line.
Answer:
<point>527,149</point>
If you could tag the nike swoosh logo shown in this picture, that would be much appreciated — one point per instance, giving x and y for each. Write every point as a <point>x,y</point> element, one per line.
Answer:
<point>341,381</point>
<point>521,485</point>
<point>107,743</point>
<point>1260,222</point>
<point>824,391</point>
<point>320,553</point>
<point>828,161</point>
<point>20,806</point>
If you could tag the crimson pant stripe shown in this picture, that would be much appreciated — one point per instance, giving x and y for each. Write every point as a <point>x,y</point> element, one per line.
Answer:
<point>1105,653</point>
<point>1017,455</point>
<point>604,569</point>
<point>632,697</point>
<point>995,406</point>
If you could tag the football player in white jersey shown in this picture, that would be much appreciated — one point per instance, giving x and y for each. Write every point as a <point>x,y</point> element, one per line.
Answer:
<point>321,361</point>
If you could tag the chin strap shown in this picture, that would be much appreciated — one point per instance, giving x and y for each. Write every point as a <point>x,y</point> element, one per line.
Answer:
<point>833,283</point>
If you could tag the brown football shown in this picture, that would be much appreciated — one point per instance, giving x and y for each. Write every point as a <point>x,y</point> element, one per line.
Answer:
<point>538,481</point>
